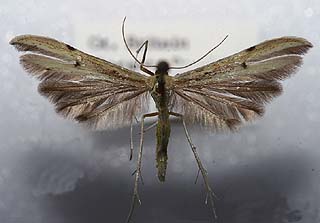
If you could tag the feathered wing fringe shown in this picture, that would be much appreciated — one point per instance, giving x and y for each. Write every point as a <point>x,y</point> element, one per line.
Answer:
<point>82,87</point>
<point>224,94</point>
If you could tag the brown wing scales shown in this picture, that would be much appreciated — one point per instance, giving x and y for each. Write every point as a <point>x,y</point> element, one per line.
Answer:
<point>229,91</point>
<point>83,87</point>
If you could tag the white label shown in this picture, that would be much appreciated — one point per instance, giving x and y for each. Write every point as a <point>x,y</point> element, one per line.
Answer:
<point>179,42</point>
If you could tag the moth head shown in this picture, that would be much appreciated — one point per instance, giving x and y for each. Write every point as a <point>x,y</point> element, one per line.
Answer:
<point>162,67</point>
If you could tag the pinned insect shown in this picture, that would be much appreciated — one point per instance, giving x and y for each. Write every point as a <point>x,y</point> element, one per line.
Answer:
<point>220,95</point>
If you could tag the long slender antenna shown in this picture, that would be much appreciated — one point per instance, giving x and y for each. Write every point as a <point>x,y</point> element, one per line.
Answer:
<point>127,46</point>
<point>125,42</point>
<point>181,67</point>
<point>215,47</point>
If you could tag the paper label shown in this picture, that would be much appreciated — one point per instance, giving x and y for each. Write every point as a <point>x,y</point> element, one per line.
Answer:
<point>179,42</point>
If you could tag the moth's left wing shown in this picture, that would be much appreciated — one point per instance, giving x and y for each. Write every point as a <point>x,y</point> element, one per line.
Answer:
<point>222,94</point>
<point>83,87</point>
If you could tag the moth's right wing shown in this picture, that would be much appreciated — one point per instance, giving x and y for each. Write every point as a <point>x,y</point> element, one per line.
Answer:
<point>223,94</point>
<point>83,87</point>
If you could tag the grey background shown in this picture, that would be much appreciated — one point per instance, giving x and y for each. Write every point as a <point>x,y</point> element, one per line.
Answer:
<point>53,170</point>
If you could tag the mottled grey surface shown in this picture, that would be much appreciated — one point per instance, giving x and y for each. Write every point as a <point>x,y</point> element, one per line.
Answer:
<point>55,171</point>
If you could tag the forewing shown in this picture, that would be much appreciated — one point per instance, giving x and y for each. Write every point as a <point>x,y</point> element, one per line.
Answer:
<point>224,93</point>
<point>83,87</point>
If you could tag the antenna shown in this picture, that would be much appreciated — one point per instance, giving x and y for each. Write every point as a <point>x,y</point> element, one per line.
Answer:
<point>125,42</point>
<point>178,67</point>
<point>215,47</point>
<point>127,46</point>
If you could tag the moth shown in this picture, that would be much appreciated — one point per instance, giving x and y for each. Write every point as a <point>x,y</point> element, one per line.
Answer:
<point>219,96</point>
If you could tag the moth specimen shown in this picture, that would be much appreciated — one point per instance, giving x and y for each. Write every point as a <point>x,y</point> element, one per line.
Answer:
<point>220,95</point>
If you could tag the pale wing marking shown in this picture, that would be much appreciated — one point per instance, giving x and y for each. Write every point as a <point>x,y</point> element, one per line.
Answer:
<point>238,86</point>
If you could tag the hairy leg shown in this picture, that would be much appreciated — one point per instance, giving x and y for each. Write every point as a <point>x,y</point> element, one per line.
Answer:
<point>137,173</point>
<point>204,173</point>
<point>131,136</point>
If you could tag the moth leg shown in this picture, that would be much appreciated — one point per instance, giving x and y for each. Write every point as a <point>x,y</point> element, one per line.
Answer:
<point>142,68</point>
<point>195,182</point>
<point>204,173</point>
<point>134,172</point>
<point>144,44</point>
<point>137,173</point>
<point>151,126</point>
<point>131,139</point>
<point>131,136</point>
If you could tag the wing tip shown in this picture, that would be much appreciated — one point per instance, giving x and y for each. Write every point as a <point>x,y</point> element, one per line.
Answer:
<point>304,41</point>
<point>304,45</point>
<point>31,68</point>
<point>15,40</point>
<point>18,40</point>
